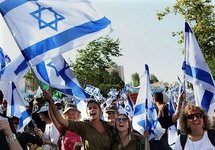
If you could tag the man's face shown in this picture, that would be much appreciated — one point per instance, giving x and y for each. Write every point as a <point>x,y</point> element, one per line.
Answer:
<point>111,116</point>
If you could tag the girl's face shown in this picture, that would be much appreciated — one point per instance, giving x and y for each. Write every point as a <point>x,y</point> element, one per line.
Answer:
<point>93,111</point>
<point>122,123</point>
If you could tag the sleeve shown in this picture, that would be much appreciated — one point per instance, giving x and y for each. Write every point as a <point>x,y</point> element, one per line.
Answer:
<point>78,127</point>
<point>166,121</point>
<point>178,144</point>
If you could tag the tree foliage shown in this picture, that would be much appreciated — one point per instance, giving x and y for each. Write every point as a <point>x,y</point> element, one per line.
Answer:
<point>200,14</point>
<point>153,78</point>
<point>135,79</point>
<point>93,64</point>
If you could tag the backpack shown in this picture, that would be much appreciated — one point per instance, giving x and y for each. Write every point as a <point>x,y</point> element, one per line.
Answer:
<point>211,133</point>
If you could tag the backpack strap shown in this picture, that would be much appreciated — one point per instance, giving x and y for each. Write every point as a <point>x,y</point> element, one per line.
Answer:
<point>183,140</point>
<point>211,136</point>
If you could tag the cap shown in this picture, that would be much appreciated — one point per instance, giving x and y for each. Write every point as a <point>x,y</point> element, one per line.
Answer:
<point>43,109</point>
<point>70,106</point>
<point>111,108</point>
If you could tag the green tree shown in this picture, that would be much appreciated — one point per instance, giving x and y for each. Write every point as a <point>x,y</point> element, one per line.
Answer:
<point>93,64</point>
<point>135,79</point>
<point>200,14</point>
<point>153,78</point>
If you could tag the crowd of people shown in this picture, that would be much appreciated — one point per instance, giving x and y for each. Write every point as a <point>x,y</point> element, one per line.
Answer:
<point>54,128</point>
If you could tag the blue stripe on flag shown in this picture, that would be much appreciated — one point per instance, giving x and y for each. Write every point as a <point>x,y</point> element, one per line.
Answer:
<point>12,101</point>
<point>64,37</point>
<point>21,67</point>
<point>139,109</point>
<point>41,69</point>
<point>198,74</point>
<point>24,115</point>
<point>8,5</point>
<point>206,99</point>
<point>187,28</point>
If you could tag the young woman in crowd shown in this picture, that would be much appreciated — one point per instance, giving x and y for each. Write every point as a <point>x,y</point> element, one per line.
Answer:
<point>95,133</point>
<point>196,130</point>
<point>125,138</point>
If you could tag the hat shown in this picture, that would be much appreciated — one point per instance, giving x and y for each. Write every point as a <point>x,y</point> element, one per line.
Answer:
<point>111,108</point>
<point>70,106</point>
<point>43,109</point>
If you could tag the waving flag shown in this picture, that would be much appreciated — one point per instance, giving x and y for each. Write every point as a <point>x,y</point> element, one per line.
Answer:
<point>56,73</point>
<point>44,29</point>
<point>145,115</point>
<point>16,106</point>
<point>15,70</point>
<point>197,72</point>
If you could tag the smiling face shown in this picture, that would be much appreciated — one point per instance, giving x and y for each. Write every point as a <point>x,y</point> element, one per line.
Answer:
<point>122,123</point>
<point>93,111</point>
<point>195,121</point>
<point>72,115</point>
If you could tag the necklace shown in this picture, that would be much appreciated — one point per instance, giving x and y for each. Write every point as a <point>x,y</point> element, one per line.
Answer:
<point>122,141</point>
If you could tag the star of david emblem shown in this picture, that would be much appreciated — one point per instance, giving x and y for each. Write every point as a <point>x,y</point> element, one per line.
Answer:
<point>44,21</point>
<point>52,66</point>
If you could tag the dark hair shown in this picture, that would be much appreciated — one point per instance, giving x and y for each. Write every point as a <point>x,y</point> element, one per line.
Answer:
<point>94,101</point>
<point>45,113</point>
<point>1,96</point>
<point>158,96</point>
<point>183,119</point>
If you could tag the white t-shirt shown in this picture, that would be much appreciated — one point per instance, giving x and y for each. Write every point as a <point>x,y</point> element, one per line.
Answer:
<point>203,144</point>
<point>51,133</point>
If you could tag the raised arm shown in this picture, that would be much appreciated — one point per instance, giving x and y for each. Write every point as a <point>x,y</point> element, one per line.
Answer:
<point>9,135</point>
<point>176,115</point>
<point>54,120</point>
<point>56,113</point>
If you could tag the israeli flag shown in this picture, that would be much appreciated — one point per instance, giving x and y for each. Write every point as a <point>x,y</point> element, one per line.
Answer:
<point>197,72</point>
<point>4,59</point>
<point>93,91</point>
<point>44,29</point>
<point>56,73</point>
<point>145,115</point>
<point>15,70</point>
<point>16,106</point>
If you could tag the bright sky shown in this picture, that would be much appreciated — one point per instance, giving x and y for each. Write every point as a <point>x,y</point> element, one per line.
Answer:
<point>144,39</point>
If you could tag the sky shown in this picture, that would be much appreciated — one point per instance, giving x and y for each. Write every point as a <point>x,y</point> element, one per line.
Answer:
<point>143,38</point>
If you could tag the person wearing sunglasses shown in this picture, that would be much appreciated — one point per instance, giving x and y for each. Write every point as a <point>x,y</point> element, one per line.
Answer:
<point>125,138</point>
<point>95,133</point>
<point>196,130</point>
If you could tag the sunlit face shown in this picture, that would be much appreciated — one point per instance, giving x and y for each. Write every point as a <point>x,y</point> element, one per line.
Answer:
<point>195,120</point>
<point>72,115</point>
<point>111,116</point>
<point>93,111</point>
<point>122,123</point>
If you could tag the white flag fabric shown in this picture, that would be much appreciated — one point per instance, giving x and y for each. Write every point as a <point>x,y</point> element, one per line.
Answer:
<point>145,115</point>
<point>15,70</point>
<point>16,106</point>
<point>46,28</point>
<point>56,73</point>
<point>197,72</point>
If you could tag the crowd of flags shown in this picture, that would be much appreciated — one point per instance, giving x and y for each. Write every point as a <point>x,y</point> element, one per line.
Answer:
<point>45,30</point>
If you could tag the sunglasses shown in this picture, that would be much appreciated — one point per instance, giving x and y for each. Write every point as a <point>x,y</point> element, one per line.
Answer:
<point>121,119</point>
<point>192,116</point>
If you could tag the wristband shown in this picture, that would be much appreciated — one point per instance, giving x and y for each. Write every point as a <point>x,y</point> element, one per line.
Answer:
<point>11,138</point>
